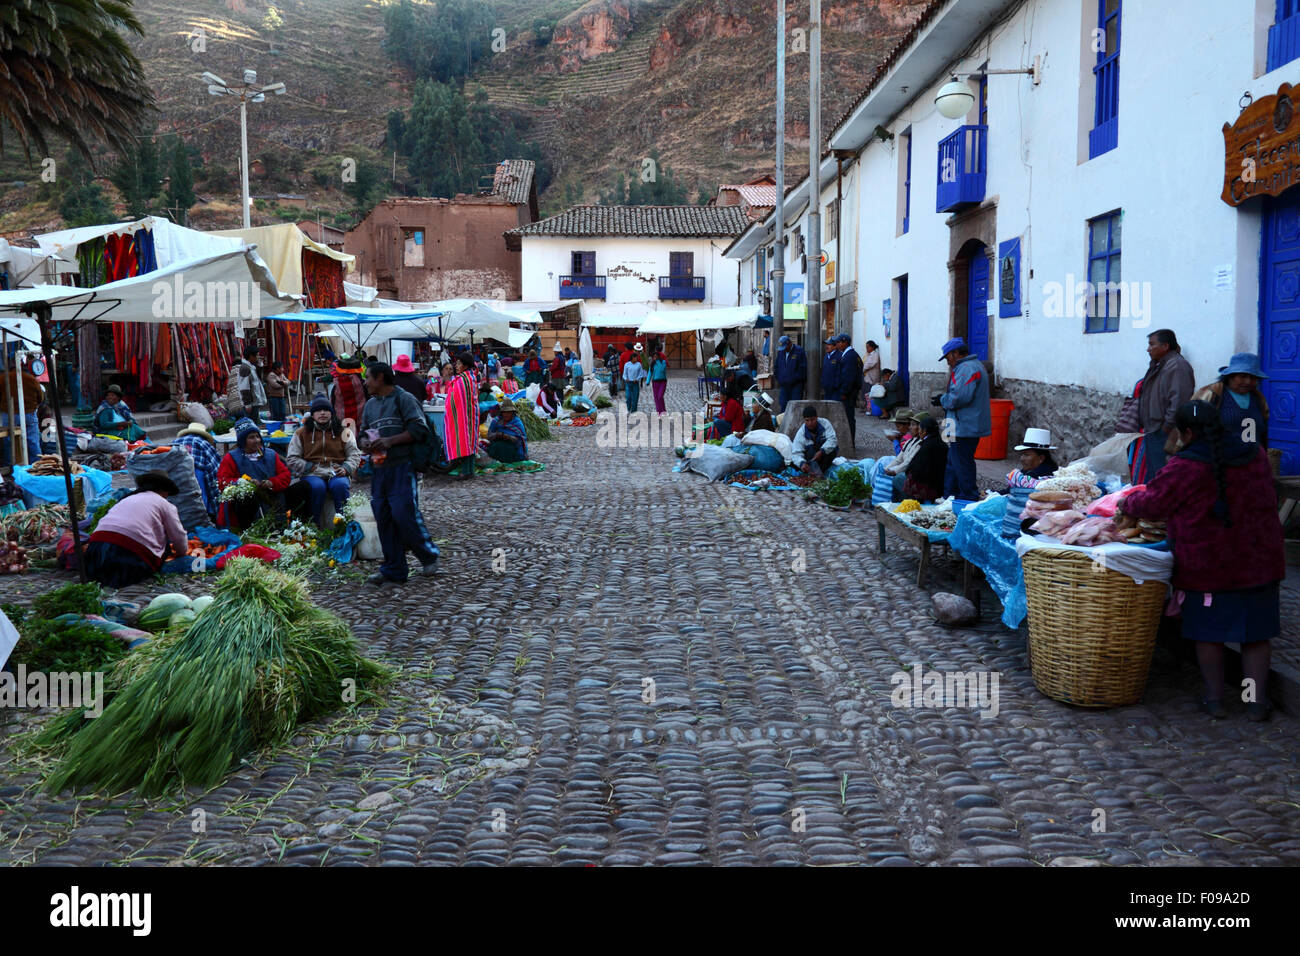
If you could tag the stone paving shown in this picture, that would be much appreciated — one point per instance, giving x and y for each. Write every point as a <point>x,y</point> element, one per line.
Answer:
<point>673,672</point>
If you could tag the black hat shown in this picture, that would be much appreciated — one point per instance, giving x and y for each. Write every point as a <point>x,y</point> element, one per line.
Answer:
<point>320,404</point>
<point>157,481</point>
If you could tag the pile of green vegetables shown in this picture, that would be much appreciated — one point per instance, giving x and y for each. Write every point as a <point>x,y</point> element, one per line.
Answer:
<point>847,486</point>
<point>534,426</point>
<point>603,401</point>
<point>223,425</point>
<point>46,644</point>
<point>186,709</point>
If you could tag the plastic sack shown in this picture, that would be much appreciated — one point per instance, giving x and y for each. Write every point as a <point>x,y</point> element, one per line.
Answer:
<point>195,412</point>
<point>342,547</point>
<point>765,457</point>
<point>714,462</point>
<point>1111,456</point>
<point>208,535</point>
<point>771,439</point>
<point>179,467</point>
<point>125,612</point>
<point>882,485</point>
<point>732,441</point>
<point>97,444</point>
<point>249,551</point>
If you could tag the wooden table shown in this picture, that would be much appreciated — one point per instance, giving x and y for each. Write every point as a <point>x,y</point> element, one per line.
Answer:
<point>886,520</point>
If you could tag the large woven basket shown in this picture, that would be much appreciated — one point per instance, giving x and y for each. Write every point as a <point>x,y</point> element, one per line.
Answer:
<point>1091,630</point>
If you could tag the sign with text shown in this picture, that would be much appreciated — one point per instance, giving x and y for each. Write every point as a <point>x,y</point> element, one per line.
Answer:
<point>1262,149</point>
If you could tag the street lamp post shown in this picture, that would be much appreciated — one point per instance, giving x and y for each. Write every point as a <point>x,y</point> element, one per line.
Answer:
<point>247,92</point>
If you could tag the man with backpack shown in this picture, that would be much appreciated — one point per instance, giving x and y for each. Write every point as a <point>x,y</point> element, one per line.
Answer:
<point>396,434</point>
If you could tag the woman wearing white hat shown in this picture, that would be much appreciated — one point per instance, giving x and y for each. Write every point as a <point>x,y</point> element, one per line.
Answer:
<point>1036,463</point>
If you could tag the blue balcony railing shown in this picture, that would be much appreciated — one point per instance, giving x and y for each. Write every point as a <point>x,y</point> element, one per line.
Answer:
<point>963,168</point>
<point>582,287</point>
<point>1284,38</point>
<point>681,287</point>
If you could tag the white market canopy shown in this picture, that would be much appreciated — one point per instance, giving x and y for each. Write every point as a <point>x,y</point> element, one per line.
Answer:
<point>449,320</point>
<point>227,287</point>
<point>698,320</point>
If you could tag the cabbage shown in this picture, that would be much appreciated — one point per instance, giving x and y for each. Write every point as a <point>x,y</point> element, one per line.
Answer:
<point>185,615</point>
<point>201,603</point>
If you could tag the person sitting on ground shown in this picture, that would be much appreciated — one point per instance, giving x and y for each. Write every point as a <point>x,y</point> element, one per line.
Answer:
<point>910,444</point>
<point>323,457</point>
<point>114,418</point>
<point>201,445</point>
<point>1036,464</point>
<point>731,416</point>
<point>266,468</point>
<point>893,385</point>
<point>762,418</point>
<point>507,441</point>
<point>815,444</point>
<point>132,539</point>
<point>924,481</point>
<point>509,384</point>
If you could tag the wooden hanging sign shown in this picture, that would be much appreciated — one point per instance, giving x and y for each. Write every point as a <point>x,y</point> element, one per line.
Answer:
<point>1262,149</point>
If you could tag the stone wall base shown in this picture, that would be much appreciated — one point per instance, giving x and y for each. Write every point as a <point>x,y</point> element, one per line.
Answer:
<point>1079,418</point>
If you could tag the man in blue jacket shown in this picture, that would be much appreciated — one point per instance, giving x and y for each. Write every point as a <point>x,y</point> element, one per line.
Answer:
<point>791,370</point>
<point>850,381</point>
<point>831,372</point>
<point>969,418</point>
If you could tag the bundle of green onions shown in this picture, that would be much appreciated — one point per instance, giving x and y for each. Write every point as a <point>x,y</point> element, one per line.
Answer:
<point>186,709</point>
<point>534,426</point>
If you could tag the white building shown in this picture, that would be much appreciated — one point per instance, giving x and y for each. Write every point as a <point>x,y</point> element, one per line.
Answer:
<point>1110,167</point>
<point>625,262</point>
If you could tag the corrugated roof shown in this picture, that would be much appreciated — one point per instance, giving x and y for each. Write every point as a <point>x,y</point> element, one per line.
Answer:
<point>640,221</point>
<point>756,195</point>
<point>894,55</point>
<point>513,180</point>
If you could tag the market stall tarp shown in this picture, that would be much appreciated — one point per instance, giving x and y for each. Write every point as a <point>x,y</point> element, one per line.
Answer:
<point>281,245</point>
<point>223,287</point>
<point>697,320</point>
<point>172,243</point>
<point>363,327</point>
<point>978,538</point>
<point>29,267</point>
<point>359,295</point>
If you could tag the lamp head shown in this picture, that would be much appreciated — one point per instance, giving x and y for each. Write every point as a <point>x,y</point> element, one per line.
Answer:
<point>250,76</point>
<point>954,99</point>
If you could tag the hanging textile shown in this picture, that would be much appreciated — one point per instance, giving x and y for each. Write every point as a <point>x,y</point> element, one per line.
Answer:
<point>119,257</point>
<point>90,259</point>
<point>145,255</point>
<point>322,281</point>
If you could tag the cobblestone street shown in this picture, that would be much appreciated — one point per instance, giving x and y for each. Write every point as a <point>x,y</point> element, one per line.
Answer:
<point>674,672</point>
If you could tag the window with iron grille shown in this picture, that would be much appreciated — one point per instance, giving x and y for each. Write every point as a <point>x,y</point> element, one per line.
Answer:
<point>907,180</point>
<point>681,263</point>
<point>1104,273</point>
<point>583,263</point>
<point>832,219</point>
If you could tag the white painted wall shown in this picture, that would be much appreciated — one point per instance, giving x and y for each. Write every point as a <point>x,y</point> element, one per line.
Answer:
<point>633,267</point>
<point>1181,77</point>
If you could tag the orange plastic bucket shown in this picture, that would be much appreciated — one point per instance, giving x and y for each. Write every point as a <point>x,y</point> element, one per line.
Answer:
<point>993,447</point>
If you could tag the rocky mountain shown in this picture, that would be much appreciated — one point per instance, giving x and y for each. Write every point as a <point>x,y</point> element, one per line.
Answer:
<point>693,80</point>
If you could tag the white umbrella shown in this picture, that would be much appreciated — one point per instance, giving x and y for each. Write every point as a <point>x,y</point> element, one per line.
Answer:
<point>586,353</point>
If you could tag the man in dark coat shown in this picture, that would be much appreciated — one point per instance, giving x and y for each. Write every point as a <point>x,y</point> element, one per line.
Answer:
<point>850,382</point>
<point>791,369</point>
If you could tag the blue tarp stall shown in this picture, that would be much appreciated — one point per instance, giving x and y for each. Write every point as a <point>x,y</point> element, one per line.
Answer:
<point>455,320</point>
<point>978,538</point>
<point>53,489</point>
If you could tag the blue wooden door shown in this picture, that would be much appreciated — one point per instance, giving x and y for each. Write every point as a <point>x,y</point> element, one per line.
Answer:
<point>977,307</point>
<point>1279,326</point>
<point>902,370</point>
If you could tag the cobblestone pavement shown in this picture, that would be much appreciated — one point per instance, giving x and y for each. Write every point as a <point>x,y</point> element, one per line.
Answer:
<point>524,731</point>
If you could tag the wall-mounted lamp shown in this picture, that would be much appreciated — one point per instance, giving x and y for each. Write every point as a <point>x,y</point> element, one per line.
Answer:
<point>955,98</point>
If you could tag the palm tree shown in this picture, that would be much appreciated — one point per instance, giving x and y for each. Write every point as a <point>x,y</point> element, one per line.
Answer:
<point>66,69</point>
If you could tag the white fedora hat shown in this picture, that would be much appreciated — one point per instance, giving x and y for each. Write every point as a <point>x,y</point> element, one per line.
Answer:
<point>1037,439</point>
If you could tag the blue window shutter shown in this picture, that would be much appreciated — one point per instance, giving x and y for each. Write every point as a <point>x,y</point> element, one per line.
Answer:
<point>1104,267</point>
<point>907,186</point>
<point>1007,281</point>
<point>1105,128</point>
<point>1284,34</point>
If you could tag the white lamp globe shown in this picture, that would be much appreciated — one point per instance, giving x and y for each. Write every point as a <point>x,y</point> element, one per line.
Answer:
<point>954,99</point>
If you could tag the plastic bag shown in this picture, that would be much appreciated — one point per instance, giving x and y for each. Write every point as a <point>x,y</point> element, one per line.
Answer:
<point>714,462</point>
<point>249,551</point>
<point>178,464</point>
<point>765,457</point>
<point>343,546</point>
<point>208,535</point>
<point>1105,506</point>
<point>195,412</point>
<point>1111,456</point>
